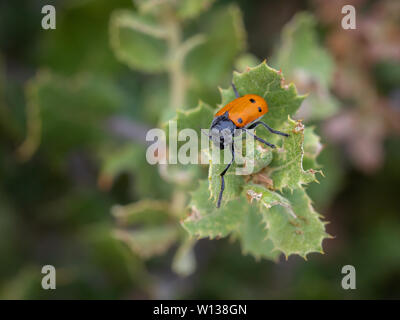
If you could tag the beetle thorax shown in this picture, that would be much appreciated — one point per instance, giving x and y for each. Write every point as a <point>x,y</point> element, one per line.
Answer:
<point>222,131</point>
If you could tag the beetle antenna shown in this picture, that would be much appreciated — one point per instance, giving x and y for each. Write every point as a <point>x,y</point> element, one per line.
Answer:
<point>207,135</point>
<point>235,90</point>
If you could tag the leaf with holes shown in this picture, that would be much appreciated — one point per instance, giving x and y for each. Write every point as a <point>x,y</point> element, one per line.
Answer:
<point>286,169</point>
<point>294,227</point>
<point>237,218</point>
<point>206,220</point>
<point>253,236</point>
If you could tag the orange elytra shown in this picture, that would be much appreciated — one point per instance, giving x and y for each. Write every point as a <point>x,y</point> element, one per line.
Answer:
<point>245,109</point>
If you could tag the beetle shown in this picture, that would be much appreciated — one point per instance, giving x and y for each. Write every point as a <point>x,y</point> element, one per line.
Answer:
<point>240,114</point>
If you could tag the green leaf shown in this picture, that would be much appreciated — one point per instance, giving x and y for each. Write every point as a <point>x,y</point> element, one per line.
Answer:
<point>233,182</point>
<point>309,65</point>
<point>324,192</point>
<point>150,241</point>
<point>147,227</point>
<point>188,9</point>
<point>312,148</point>
<point>144,212</point>
<point>237,217</point>
<point>138,41</point>
<point>245,61</point>
<point>131,159</point>
<point>184,262</point>
<point>254,160</point>
<point>253,236</point>
<point>66,113</point>
<point>197,118</point>
<point>225,40</point>
<point>72,48</point>
<point>150,228</point>
<point>286,169</point>
<point>266,82</point>
<point>262,233</point>
<point>294,227</point>
<point>184,9</point>
<point>205,220</point>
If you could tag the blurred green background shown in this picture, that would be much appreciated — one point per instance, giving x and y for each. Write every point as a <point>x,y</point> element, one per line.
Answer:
<point>74,109</point>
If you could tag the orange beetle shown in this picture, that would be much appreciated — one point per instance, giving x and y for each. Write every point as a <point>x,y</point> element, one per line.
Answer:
<point>239,114</point>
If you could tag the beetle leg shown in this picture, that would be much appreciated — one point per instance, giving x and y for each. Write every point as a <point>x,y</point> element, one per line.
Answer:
<point>222,176</point>
<point>255,124</point>
<point>259,139</point>
<point>235,90</point>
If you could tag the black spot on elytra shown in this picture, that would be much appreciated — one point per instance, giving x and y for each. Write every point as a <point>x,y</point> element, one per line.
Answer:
<point>240,120</point>
<point>259,109</point>
<point>252,100</point>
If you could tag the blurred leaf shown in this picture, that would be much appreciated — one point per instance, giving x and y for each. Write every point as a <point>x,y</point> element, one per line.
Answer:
<point>187,9</point>
<point>196,119</point>
<point>8,126</point>
<point>80,41</point>
<point>184,9</point>
<point>9,238</point>
<point>148,227</point>
<point>138,41</point>
<point>387,75</point>
<point>324,192</point>
<point>112,256</point>
<point>309,65</point>
<point>131,158</point>
<point>150,241</point>
<point>144,212</point>
<point>246,60</point>
<point>184,262</point>
<point>300,49</point>
<point>65,113</point>
<point>25,285</point>
<point>312,148</point>
<point>225,40</point>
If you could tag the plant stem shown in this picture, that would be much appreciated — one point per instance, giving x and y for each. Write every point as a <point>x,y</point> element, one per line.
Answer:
<point>175,68</point>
